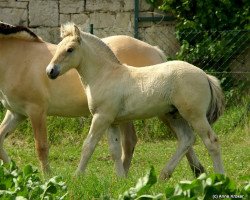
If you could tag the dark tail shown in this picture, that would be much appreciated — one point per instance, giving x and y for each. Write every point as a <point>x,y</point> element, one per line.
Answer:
<point>217,104</point>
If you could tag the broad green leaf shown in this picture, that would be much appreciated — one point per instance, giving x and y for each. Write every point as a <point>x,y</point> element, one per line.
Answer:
<point>28,170</point>
<point>149,197</point>
<point>169,191</point>
<point>142,185</point>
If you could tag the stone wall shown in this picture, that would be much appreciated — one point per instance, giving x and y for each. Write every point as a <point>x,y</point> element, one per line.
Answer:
<point>109,17</point>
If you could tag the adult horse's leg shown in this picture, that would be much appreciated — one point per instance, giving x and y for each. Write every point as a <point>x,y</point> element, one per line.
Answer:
<point>129,140</point>
<point>115,149</point>
<point>192,158</point>
<point>8,125</point>
<point>38,122</point>
<point>185,138</point>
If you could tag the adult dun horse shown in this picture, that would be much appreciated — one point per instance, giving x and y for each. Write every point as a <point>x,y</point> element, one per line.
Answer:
<point>26,92</point>
<point>118,93</point>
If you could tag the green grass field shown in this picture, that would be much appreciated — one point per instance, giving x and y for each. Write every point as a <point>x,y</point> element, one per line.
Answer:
<point>155,147</point>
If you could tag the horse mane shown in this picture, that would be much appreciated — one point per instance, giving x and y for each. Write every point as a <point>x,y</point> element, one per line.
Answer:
<point>18,32</point>
<point>70,29</point>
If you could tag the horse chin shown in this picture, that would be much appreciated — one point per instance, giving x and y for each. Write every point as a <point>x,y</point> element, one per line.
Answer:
<point>54,75</point>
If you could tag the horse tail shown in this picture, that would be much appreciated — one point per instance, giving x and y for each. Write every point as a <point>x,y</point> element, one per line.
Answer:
<point>161,53</point>
<point>217,103</point>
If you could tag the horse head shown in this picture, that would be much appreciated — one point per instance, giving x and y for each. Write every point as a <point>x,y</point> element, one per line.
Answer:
<point>67,53</point>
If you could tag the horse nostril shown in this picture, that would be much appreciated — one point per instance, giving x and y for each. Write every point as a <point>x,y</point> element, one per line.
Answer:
<point>51,71</point>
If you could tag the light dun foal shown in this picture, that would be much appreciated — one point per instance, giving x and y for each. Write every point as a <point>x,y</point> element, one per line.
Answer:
<point>26,91</point>
<point>117,93</point>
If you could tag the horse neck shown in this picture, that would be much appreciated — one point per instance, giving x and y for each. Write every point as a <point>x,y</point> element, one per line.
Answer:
<point>98,59</point>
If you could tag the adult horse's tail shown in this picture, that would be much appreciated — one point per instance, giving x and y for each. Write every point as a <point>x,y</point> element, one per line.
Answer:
<point>161,53</point>
<point>217,103</point>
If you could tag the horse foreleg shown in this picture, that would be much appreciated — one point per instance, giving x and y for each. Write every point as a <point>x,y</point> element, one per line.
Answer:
<point>185,138</point>
<point>115,149</point>
<point>38,121</point>
<point>99,125</point>
<point>8,125</point>
<point>129,140</point>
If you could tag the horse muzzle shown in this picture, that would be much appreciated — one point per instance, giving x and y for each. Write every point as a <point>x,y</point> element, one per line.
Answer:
<point>52,71</point>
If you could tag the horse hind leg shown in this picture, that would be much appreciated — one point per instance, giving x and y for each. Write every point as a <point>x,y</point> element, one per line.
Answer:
<point>115,149</point>
<point>198,120</point>
<point>172,122</point>
<point>185,140</point>
<point>194,163</point>
<point>8,125</point>
<point>211,142</point>
<point>129,140</point>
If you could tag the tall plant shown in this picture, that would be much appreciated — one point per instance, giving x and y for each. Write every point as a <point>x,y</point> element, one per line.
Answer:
<point>211,32</point>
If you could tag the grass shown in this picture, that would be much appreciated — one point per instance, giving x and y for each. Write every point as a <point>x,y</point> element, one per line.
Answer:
<point>67,135</point>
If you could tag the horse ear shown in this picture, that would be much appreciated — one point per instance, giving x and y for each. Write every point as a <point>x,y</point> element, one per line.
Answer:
<point>70,29</point>
<point>77,31</point>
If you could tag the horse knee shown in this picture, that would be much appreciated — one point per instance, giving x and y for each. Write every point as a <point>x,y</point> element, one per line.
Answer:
<point>212,143</point>
<point>43,152</point>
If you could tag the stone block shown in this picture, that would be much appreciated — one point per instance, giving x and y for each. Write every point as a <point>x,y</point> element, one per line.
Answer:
<point>128,6</point>
<point>43,13</point>
<point>79,19</point>
<point>64,18</point>
<point>13,4</point>
<point>14,16</point>
<point>71,6</point>
<point>51,35</point>
<point>123,20</point>
<point>102,20</point>
<point>144,6</point>
<point>104,5</point>
<point>162,36</point>
<point>106,32</point>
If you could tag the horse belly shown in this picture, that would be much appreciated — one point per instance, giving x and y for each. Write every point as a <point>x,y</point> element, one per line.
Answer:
<point>70,109</point>
<point>12,105</point>
<point>144,110</point>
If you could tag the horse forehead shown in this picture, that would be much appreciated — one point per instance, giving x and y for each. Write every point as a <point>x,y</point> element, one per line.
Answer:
<point>64,42</point>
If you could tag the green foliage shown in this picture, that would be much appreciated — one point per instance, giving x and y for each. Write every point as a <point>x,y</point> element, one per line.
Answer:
<point>207,187</point>
<point>211,32</point>
<point>26,184</point>
<point>142,187</point>
<point>212,186</point>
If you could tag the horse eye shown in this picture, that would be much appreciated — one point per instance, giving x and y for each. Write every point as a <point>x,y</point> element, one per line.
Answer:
<point>69,50</point>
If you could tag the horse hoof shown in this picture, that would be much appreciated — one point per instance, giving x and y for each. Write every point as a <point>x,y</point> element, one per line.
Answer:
<point>164,176</point>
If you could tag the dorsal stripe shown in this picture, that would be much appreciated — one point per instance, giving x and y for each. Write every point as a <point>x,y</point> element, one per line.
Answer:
<point>7,29</point>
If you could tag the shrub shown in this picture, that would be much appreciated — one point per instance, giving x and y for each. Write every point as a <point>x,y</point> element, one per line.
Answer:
<point>26,184</point>
<point>214,186</point>
<point>211,32</point>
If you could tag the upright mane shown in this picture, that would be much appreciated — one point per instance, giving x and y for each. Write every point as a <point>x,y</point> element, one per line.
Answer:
<point>19,32</point>
<point>70,29</point>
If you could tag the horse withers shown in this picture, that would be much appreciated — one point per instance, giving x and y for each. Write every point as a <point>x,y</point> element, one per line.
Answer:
<point>119,93</point>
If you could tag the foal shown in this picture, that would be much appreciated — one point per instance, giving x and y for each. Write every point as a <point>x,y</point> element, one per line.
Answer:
<point>118,93</point>
<point>26,92</point>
